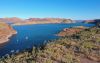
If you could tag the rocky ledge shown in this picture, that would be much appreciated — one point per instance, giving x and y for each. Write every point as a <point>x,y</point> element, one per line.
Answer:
<point>71,31</point>
<point>6,31</point>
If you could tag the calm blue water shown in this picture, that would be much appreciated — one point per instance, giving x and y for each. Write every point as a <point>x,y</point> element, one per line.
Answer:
<point>34,35</point>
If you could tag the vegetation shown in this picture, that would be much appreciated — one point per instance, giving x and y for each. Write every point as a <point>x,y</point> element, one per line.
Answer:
<point>67,49</point>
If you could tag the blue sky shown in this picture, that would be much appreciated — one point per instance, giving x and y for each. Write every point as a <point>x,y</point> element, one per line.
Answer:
<point>74,9</point>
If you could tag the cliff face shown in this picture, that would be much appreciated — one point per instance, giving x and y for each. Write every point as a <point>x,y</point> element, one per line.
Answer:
<point>6,32</point>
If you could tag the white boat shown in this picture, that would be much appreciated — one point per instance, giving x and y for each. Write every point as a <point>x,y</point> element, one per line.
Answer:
<point>17,40</point>
<point>26,38</point>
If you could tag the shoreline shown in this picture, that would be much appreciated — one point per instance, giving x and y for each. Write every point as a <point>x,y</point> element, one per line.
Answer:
<point>70,31</point>
<point>6,38</point>
<point>6,31</point>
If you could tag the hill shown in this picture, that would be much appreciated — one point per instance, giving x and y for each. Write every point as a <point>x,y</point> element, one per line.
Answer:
<point>95,21</point>
<point>6,31</point>
<point>18,21</point>
<point>11,20</point>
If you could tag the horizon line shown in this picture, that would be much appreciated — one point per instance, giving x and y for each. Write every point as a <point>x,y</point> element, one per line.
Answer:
<point>50,17</point>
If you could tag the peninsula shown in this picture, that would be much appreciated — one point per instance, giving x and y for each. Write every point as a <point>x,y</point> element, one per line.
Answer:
<point>6,31</point>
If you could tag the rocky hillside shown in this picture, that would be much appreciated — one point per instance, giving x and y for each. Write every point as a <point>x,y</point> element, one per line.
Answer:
<point>18,21</point>
<point>88,21</point>
<point>92,21</point>
<point>44,21</point>
<point>71,31</point>
<point>6,32</point>
<point>51,20</point>
<point>11,20</point>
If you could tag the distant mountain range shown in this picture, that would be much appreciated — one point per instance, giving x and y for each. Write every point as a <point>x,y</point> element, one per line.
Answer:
<point>18,21</point>
<point>88,21</point>
<point>11,20</point>
<point>95,21</point>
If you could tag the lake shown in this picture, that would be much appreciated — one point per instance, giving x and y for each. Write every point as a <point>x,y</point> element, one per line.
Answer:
<point>34,35</point>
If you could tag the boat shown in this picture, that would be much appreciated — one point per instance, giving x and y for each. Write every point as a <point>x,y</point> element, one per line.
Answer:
<point>26,38</point>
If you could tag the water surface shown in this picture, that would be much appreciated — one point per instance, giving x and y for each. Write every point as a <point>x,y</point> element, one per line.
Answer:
<point>34,35</point>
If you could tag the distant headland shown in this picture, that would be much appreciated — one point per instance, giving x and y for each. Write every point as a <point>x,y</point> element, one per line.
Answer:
<point>19,21</point>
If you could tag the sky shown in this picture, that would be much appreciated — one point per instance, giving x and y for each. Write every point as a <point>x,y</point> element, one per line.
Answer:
<point>72,9</point>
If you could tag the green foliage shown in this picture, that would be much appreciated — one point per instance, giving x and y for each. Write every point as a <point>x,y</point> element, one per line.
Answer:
<point>64,50</point>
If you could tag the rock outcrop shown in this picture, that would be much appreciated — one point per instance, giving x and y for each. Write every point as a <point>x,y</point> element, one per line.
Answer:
<point>6,32</point>
<point>70,31</point>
